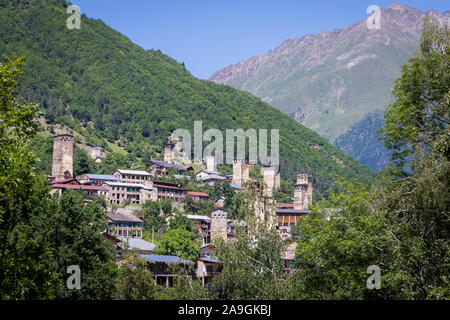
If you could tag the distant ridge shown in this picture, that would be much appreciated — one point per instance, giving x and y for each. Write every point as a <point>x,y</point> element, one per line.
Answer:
<point>331,81</point>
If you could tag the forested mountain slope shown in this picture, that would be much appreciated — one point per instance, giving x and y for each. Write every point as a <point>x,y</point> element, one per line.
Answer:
<point>113,92</point>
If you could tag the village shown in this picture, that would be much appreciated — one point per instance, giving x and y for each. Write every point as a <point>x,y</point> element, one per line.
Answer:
<point>126,190</point>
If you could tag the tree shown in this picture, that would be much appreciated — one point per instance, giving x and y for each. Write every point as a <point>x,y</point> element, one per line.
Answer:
<point>134,281</point>
<point>252,266</point>
<point>333,254</point>
<point>151,215</point>
<point>419,117</point>
<point>24,199</point>
<point>179,242</point>
<point>75,232</point>
<point>181,222</point>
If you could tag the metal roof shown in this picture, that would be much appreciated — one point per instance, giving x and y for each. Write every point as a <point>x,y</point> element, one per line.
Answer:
<point>101,176</point>
<point>197,217</point>
<point>292,211</point>
<point>164,258</point>
<point>127,184</point>
<point>136,172</point>
<point>213,176</point>
<point>168,165</point>
<point>140,244</point>
<point>123,217</point>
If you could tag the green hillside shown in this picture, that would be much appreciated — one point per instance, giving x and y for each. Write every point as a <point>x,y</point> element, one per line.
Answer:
<point>115,93</point>
<point>361,142</point>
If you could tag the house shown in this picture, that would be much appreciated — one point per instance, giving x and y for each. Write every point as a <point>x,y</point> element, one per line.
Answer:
<point>125,225</point>
<point>213,178</point>
<point>160,267</point>
<point>289,217</point>
<point>204,173</point>
<point>167,190</point>
<point>120,192</point>
<point>134,176</point>
<point>161,168</point>
<point>207,265</point>
<point>198,196</point>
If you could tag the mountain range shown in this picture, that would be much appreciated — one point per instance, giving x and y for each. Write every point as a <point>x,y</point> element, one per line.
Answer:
<point>113,93</point>
<point>335,82</point>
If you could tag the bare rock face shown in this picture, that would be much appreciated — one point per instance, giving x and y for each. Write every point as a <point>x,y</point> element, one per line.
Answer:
<point>332,80</point>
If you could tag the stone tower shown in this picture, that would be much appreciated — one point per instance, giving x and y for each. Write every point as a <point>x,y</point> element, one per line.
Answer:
<point>303,192</point>
<point>62,164</point>
<point>219,224</point>
<point>306,179</point>
<point>168,153</point>
<point>241,172</point>
<point>211,163</point>
<point>268,173</point>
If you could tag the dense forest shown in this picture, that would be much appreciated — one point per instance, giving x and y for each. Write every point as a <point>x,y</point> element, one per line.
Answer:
<point>114,93</point>
<point>363,142</point>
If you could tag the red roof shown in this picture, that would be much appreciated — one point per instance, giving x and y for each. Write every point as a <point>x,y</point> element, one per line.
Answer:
<point>82,187</point>
<point>197,194</point>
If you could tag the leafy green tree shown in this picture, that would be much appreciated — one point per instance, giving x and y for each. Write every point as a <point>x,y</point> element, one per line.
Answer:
<point>134,281</point>
<point>76,237</point>
<point>252,266</point>
<point>150,214</point>
<point>419,116</point>
<point>417,211</point>
<point>179,242</point>
<point>333,254</point>
<point>181,222</point>
<point>24,199</point>
<point>82,162</point>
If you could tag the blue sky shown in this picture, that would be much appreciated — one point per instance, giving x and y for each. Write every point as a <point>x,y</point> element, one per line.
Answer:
<point>208,35</point>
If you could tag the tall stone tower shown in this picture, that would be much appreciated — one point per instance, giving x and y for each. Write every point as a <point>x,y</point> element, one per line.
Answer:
<point>211,163</point>
<point>168,153</point>
<point>62,164</point>
<point>219,224</point>
<point>241,172</point>
<point>303,192</point>
<point>268,173</point>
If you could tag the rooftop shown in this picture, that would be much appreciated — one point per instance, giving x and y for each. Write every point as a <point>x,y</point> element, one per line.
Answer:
<point>198,194</point>
<point>140,244</point>
<point>213,176</point>
<point>164,258</point>
<point>76,186</point>
<point>292,211</point>
<point>101,176</point>
<point>127,184</point>
<point>168,165</point>
<point>135,172</point>
<point>123,217</point>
